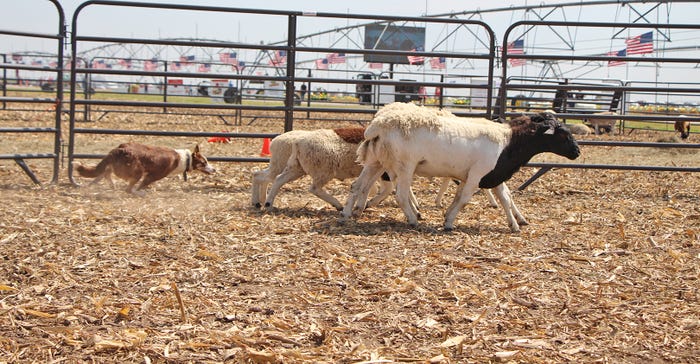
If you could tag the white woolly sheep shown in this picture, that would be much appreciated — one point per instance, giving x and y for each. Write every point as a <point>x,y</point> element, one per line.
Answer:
<point>513,214</point>
<point>405,139</point>
<point>602,123</point>
<point>445,181</point>
<point>323,154</point>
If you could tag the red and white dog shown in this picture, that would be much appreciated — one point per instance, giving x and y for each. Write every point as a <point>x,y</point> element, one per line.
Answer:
<point>135,162</point>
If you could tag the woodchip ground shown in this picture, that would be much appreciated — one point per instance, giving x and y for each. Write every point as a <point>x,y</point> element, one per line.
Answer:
<point>607,271</point>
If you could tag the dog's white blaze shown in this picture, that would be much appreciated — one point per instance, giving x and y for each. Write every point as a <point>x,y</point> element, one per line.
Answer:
<point>182,166</point>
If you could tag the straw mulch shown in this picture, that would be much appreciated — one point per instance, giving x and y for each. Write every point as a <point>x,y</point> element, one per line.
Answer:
<point>607,271</point>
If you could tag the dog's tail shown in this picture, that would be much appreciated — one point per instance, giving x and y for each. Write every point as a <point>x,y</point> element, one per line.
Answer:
<point>92,172</point>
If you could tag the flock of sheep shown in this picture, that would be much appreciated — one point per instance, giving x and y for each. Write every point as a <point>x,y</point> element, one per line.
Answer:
<point>403,140</point>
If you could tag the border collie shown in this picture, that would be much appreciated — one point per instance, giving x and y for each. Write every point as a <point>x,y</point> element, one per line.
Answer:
<point>135,162</point>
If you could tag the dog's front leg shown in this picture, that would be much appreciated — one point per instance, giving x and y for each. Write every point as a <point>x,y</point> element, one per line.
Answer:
<point>131,187</point>
<point>145,182</point>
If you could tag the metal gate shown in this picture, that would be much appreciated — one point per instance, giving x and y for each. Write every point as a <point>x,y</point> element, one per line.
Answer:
<point>286,75</point>
<point>557,91</point>
<point>20,95</point>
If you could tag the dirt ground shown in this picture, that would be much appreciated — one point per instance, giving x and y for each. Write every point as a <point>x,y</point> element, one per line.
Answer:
<point>607,271</point>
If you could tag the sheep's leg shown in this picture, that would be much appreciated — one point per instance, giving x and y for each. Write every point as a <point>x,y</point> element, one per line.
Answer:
<point>261,179</point>
<point>518,216</point>
<point>412,198</point>
<point>443,187</point>
<point>492,200</point>
<point>385,189</point>
<point>403,195</point>
<point>503,195</point>
<point>290,173</point>
<point>360,189</point>
<point>317,189</point>
<point>373,174</point>
<point>465,191</point>
<point>414,205</point>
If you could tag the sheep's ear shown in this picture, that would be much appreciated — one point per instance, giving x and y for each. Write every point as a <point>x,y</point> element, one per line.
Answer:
<point>537,118</point>
<point>546,128</point>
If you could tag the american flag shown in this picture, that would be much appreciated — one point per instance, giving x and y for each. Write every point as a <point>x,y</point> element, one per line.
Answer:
<point>322,63</point>
<point>151,64</point>
<point>640,44</point>
<point>375,65</point>
<point>620,53</point>
<point>204,67</point>
<point>515,48</point>
<point>37,62</point>
<point>438,63</point>
<point>125,62</point>
<point>186,59</point>
<point>175,66</point>
<point>229,58</point>
<point>416,59</point>
<point>334,58</point>
<point>239,67</point>
<point>100,64</point>
<point>279,58</point>
<point>17,57</point>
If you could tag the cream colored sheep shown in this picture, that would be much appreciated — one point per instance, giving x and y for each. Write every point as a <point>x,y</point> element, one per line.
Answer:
<point>598,123</point>
<point>578,129</point>
<point>322,154</point>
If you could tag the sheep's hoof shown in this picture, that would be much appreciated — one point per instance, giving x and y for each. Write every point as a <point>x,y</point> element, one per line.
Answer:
<point>357,212</point>
<point>257,205</point>
<point>523,223</point>
<point>268,205</point>
<point>448,229</point>
<point>419,217</point>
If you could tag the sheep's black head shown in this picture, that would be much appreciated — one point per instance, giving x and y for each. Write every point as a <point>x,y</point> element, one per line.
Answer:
<point>553,137</point>
<point>532,134</point>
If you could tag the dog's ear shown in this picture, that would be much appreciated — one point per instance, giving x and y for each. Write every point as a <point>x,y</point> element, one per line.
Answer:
<point>196,149</point>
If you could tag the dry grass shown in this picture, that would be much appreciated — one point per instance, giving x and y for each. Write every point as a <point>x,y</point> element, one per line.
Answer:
<point>607,271</point>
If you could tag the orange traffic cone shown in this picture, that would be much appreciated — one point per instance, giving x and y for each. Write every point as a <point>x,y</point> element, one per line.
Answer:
<point>265,148</point>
